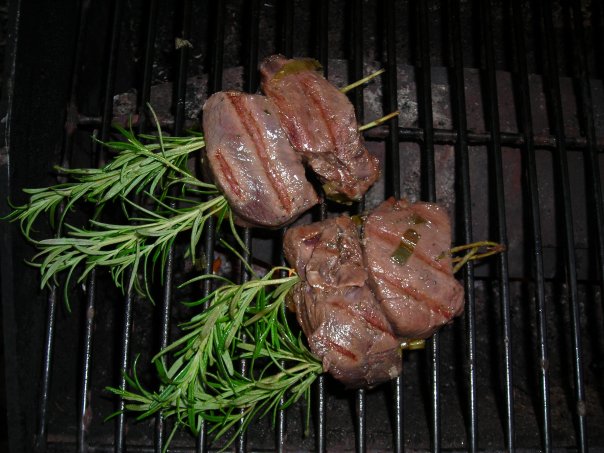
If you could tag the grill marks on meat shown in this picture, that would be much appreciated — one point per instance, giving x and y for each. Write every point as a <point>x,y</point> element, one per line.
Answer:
<point>335,306</point>
<point>259,146</point>
<point>321,125</point>
<point>421,294</point>
<point>356,304</point>
<point>252,161</point>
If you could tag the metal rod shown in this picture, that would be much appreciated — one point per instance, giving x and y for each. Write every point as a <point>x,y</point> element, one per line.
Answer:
<point>183,64</point>
<point>525,123</point>
<point>319,386</point>
<point>216,52</point>
<point>179,122</point>
<point>459,116</point>
<point>84,416</point>
<point>321,441</point>
<point>393,188</point>
<point>415,134</point>
<point>496,171</point>
<point>216,49</point>
<point>280,429</point>
<point>356,97</point>
<point>561,165</point>
<point>107,107</point>
<point>287,28</point>
<point>251,64</point>
<point>120,423</point>
<point>164,334</point>
<point>145,95</point>
<point>322,34</point>
<point>40,442</point>
<point>591,154</point>
<point>428,185</point>
<point>250,85</point>
<point>208,268</point>
<point>69,129</point>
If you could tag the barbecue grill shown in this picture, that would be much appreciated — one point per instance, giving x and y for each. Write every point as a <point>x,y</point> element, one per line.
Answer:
<point>502,121</point>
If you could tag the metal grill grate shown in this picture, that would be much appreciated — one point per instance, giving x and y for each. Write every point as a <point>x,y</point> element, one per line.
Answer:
<point>502,121</point>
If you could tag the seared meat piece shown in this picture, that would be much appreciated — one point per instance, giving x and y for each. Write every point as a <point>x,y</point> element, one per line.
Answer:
<point>321,125</point>
<point>252,161</point>
<point>406,254</point>
<point>335,307</point>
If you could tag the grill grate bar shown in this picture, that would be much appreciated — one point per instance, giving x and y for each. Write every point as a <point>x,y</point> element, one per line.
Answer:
<point>393,187</point>
<point>47,360</point>
<point>320,385</point>
<point>148,65</point>
<point>591,154</point>
<point>553,88</point>
<point>280,429</point>
<point>85,395</point>
<point>120,425</point>
<point>496,172</point>
<point>428,189</point>
<point>322,37</point>
<point>51,316</point>
<point>164,332</point>
<point>356,97</point>
<point>445,137</point>
<point>98,159</point>
<point>168,280</point>
<point>216,50</point>
<point>440,136</point>
<point>250,85</point>
<point>216,53</point>
<point>459,115</point>
<point>287,28</point>
<point>529,162</point>
<point>183,63</point>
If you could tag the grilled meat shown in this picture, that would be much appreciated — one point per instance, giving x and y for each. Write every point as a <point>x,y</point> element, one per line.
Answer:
<point>321,125</point>
<point>252,161</point>
<point>406,255</point>
<point>335,307</point>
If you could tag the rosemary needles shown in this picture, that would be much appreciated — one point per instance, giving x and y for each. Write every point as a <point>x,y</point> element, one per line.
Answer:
<point>203,384</point>
<point>146,166</point>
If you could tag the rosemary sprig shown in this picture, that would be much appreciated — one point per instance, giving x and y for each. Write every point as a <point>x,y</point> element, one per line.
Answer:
<point>203,384</point>
<point>145,165</point>
<point>138,166</point>
<point>120,247</point>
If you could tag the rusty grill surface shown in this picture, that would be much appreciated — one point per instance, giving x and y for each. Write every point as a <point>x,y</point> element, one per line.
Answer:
<point>502,121</point>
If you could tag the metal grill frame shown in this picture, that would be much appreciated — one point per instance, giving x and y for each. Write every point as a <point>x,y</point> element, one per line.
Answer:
<point>426,135</point>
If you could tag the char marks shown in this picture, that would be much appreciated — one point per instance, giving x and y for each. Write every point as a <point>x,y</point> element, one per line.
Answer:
<point>259,146</point>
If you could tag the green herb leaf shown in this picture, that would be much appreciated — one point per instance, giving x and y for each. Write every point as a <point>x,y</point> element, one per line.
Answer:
<point>406,247</point>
